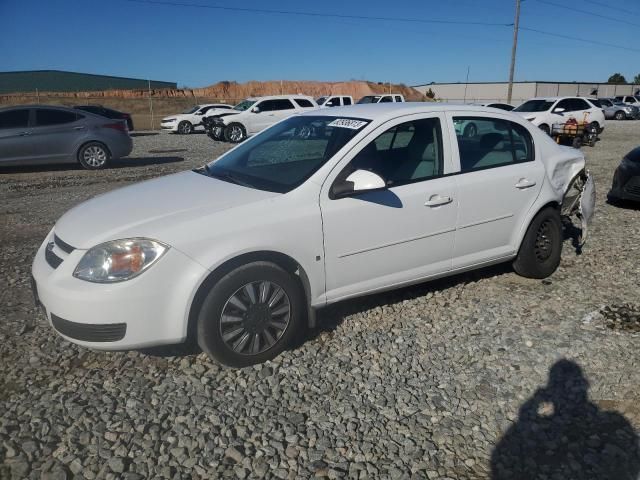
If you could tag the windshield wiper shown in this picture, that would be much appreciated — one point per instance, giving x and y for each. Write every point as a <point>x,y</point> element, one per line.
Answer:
<point>227,177</point>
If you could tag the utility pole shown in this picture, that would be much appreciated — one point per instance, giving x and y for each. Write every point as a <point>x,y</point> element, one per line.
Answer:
<point>516,24</point>
<point>150,104</point>
<point>466,84</point>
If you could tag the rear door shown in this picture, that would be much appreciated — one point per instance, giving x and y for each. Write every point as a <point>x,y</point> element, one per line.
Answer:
<point>56,134</point>
<point>15,141</point>
<point>499,178</point>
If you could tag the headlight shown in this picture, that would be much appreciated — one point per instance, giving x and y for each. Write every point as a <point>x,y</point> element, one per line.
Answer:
<point>119,260</point>
<point>167,120</point>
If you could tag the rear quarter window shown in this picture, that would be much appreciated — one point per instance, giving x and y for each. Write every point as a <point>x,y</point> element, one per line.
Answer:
<point>304,103</point>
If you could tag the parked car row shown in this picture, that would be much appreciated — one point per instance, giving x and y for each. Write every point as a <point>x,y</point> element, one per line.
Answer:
<point>252,115</point>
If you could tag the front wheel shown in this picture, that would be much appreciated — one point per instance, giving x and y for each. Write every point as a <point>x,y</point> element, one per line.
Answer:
<point>545,128</point>
<point>217,133</point>
<point>93,156</point>
<point>251,315</point>
<point>541,248</point>
<point>185,128</point>
<point>620,115</point>
<point>235,133</point>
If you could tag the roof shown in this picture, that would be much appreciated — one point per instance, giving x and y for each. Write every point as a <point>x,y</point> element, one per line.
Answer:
<point>278,97</point>
<point>559,98</point>
<point>382,111</point>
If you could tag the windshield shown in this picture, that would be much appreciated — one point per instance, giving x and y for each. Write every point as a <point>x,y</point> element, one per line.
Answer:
<point>244,105</point>
<point>370,99</point>
<point>534,106</point>
<point>285,155</point>
<point>192,109</point>
<point>321,100</point>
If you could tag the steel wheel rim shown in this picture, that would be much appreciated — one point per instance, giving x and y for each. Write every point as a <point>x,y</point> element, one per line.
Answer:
<point>255,317</point>
<point>94,156</point>
<point>544,244</point>
<point>235,134</point>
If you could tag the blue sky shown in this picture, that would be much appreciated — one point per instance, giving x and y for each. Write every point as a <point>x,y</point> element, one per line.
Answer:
<point>200,46</point>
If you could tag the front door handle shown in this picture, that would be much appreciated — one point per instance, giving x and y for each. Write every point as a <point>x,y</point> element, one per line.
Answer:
<point>24,134</point>
<point>437,200</point>
<point>524,183</point>
<point>79,128</point>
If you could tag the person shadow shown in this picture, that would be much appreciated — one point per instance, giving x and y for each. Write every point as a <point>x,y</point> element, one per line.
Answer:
<point>562,435</point>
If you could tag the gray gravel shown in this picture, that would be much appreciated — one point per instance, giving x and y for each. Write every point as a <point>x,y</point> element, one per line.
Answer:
<point>441,380</point>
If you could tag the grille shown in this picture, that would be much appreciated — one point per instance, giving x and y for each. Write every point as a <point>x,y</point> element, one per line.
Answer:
<point>52,259</point>
<point>110,332</point>
<point>64,246</point>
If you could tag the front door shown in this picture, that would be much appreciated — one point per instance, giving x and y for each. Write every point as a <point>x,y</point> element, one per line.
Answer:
<point>403,233</point>
<point>499,179</point>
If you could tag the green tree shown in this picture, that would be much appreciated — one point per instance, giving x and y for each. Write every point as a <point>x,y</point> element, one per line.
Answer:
<point>430,94</point>
<point>617,78</point>
<point>636,79</point>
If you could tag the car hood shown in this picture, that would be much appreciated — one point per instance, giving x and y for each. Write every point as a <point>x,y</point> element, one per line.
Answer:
<point>152,209</point>
<point>179,116</point>
<point>531,116</point>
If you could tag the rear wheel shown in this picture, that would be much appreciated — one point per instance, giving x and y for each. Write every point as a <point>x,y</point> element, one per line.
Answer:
<point>217,133</point>
<point>541,248</point>
<point>185,128</point>
<point>235,133</point>
<point>93,156</point>
<point>251,315</point>
<point>620,115</point>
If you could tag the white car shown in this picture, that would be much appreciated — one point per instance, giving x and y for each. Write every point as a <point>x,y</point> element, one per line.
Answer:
<point>334,101</point>
<point>255,114</point>
<point>629,99</point>
<point>390,98</point>
<point>239,254</point>
<point>545,112</point>
<point>187,121</point>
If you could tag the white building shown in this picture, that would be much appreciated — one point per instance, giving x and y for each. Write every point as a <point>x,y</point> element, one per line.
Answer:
<point>484,92</point>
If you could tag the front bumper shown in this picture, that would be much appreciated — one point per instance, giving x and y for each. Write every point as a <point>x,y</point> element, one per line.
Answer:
<point>151,309</point>
<point>626,184</point>
<point>171,126</point>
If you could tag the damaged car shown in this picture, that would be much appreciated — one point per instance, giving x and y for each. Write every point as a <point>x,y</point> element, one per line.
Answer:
<point>327,205</point>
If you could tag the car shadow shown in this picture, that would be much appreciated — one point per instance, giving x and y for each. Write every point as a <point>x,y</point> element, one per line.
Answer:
<point>143,134</point>
<point>573,233</point>
<point>560,433</point>
<point>330,317</point>
<point>125,162</point>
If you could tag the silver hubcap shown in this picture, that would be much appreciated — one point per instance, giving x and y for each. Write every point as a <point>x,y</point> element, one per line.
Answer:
<point>255,317</point>
<point>235,134</point>
<point>94,156</point>
<point>186,128</point>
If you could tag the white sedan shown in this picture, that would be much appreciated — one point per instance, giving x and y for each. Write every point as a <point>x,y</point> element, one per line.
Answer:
<point>191,119</point>
<point>321,207</point>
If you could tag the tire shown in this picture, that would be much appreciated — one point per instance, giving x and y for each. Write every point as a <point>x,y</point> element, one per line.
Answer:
<point>253,331</point>
<point>235,133</point>
<point>620,115</point>
<point>93,156</point>
<point>470,131</point>
<point>185,128</point>
<point>545,128</point>
<point>541,248</point>
<point>577,142</point>
<point>595,126</point>
<point>217,133</point>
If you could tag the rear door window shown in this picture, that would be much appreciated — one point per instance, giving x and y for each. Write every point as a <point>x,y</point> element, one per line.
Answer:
<point>304,103</point>
<point>14,119</point>
<point>346,101</point>
<point>386,99</point>
<point>498,143</point>
<point>398,98</point>
<point>46,117</point>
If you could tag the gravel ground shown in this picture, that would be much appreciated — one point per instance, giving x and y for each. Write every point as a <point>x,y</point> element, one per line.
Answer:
<point>459,378</point>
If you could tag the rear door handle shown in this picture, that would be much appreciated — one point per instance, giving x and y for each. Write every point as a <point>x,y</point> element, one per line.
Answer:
<point>524,183</point>
<point>437,200</point>
<point>79,128</point>
<point>24,134</point>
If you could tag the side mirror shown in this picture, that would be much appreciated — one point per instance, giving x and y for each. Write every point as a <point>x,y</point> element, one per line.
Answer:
<point>255,110</point>
<point>558,110</point>
<point>359,181</point>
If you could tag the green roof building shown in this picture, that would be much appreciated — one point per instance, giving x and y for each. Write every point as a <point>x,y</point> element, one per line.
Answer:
<point>59,81</point>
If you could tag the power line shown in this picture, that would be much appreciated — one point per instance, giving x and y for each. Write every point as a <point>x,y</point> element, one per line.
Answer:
<point>586,12</point>
<point>568,37</point>
<point>318,14</point>
<point>600,4</point>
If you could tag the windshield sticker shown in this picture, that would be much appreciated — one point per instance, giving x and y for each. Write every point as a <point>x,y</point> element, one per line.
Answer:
<point>347,123</point>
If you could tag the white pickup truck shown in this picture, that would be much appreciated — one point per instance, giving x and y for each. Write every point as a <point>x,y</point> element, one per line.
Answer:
<point>334,101</point>
<point>386,98</point>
